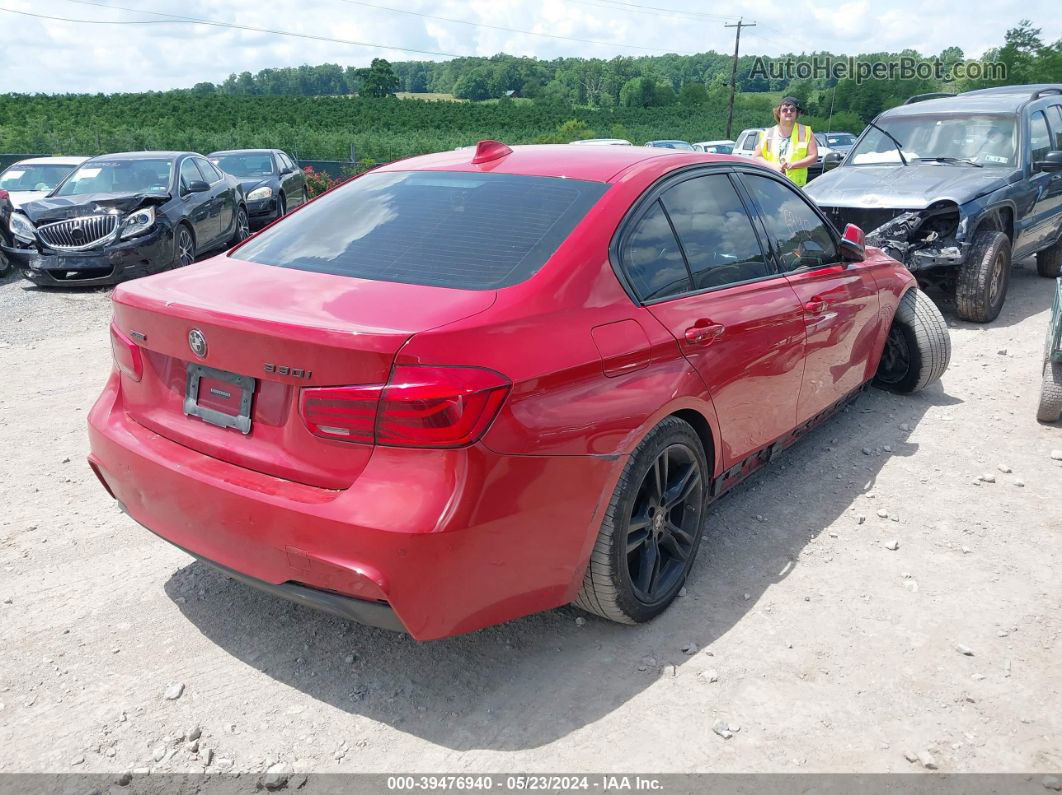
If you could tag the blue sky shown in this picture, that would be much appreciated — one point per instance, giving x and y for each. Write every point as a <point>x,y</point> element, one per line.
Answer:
<point>48,55</point>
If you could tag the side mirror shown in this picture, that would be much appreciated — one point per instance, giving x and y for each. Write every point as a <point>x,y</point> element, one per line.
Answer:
<point>197,186</point>
<point>1052,161</point>
<point>853,244</point>
<point>831,161</point>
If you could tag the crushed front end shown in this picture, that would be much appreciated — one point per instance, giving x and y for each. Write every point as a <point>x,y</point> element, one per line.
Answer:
<point>91,240</point>
<point>923,240</point>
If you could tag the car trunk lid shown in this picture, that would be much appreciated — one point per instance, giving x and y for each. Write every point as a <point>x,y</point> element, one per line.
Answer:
<point>275,330</point>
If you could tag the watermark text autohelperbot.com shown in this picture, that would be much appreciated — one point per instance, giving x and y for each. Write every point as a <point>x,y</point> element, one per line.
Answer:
<point>906,67</point>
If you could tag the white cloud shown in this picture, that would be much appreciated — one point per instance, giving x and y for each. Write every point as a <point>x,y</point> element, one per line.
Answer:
<point>41,55</point>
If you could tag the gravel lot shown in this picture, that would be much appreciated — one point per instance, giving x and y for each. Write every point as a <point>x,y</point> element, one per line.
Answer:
<point>805,642</point>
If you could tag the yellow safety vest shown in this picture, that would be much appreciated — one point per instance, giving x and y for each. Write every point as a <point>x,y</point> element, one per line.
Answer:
<point>798,150</point>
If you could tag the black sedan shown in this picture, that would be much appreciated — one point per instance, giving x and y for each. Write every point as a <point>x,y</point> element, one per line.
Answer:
<point>271,180</point>
<point>126,215</point>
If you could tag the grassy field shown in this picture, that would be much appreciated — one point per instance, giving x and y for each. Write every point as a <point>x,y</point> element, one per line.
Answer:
<point>428,97</point>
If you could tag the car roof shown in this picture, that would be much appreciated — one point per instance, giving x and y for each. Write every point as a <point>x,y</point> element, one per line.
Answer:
<point>720,141</point>
<point>1002,99</point>
<point>1027,90</point>
<point>669,141</point>
<point>242,152</point>
<point>51,161</point>
<point>143,155</point>
<point>590,163</point>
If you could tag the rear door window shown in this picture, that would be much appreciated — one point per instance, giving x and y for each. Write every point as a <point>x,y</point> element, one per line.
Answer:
<point>210,174</point>
<point>447,229</point>
<point>1040,139</point>
<point>715,232</point>
<point>652,258</point>
<point>1055,117</point>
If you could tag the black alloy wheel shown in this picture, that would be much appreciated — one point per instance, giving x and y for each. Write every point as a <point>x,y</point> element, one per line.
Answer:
<point>243,226</point>
<point>185,246</point>
<point>664,524</point>
<point>648,540</point>
<point>895,359</point>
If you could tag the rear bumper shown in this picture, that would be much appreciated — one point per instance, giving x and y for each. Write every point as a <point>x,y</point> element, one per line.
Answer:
<point>445,541</point>
<point>372,614</point>
<point>128,259</point>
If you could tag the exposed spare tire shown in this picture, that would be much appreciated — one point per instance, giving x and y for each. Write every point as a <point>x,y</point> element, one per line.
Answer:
<point>983,277</point>
<point>918,348</point>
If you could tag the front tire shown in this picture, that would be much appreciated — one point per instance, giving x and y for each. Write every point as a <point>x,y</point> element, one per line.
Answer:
<point>183,247</point>
<point>282,206</point>
<point>652,528</point>
<point>983,277</point>
<point>918,348</point>
<point>1050,406</point>
<point>243,227</point>
<point>1049,261</point>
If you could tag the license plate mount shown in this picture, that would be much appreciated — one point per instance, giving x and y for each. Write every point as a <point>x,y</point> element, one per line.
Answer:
<point>219,398</point>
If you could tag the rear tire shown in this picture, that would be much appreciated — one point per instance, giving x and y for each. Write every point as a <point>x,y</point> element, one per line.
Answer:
<point>1049,261</point>
<point>983,277</point>
<point>1050,407</point>
<point>650,534</point>
<point>918,348</point>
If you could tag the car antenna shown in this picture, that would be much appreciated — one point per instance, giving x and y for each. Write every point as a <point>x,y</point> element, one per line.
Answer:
<point>490,150</point>
<point>889,135</point>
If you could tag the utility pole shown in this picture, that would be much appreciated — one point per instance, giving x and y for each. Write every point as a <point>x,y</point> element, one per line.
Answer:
<point>733,73</point>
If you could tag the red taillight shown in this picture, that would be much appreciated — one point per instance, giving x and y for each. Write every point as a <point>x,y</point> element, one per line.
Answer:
<point>418,407</point>
<point>127,354</point>
<point>346,413</point>
<point>439,406</point>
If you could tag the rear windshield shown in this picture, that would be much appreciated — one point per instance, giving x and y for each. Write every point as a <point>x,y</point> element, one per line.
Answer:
<point>441,229</point>
<point>39,176</point>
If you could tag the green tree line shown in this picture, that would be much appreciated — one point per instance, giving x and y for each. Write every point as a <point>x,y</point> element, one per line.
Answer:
<point>325,112</point>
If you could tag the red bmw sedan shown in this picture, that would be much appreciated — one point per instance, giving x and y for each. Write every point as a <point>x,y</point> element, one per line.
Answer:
<point>471,386</point>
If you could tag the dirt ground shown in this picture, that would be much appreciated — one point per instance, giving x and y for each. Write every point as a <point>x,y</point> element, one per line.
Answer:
<point>802,634</point>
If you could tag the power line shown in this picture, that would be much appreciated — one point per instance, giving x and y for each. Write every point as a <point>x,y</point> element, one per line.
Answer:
<point>499,27</point>
<point>235,26</point>
<point>94,21</point>
<point>672,11</point>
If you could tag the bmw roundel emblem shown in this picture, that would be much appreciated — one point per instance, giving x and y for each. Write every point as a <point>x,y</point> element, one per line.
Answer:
<point>197,342</point>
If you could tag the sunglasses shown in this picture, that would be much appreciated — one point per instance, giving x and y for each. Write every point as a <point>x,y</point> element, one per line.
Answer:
<point>788,108</point>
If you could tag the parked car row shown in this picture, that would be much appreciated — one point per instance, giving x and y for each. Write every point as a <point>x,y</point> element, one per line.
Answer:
<point>102,220</point>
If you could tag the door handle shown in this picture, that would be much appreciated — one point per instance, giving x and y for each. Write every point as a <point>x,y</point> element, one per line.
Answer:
<point>704,335</point>
<point>816,306</point>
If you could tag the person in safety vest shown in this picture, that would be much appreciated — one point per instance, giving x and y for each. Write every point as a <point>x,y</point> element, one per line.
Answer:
<point>789,146</point>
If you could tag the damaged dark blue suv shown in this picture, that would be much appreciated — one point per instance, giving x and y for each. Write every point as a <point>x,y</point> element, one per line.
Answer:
<point>956,186</point>
<point>126,215</point>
